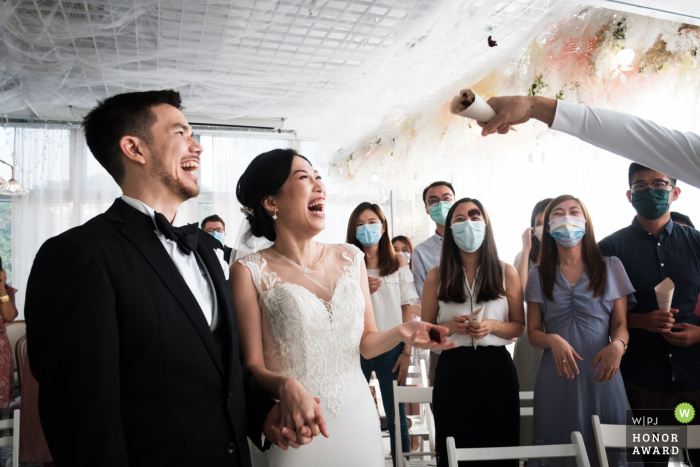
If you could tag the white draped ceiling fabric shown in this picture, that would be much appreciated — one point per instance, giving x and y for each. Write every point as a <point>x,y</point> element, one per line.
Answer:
<point>268,59</point>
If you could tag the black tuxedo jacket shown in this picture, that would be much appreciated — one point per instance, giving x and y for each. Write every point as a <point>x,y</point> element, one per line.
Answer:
<point>128,368</point>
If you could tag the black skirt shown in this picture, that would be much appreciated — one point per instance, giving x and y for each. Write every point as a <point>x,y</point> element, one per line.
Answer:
<point>475,400</point>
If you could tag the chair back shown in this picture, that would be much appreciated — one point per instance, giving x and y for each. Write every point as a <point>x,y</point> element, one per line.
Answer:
<point>15,330</point>
<point>575,449</point>
<point>20,357</point>
<point>412,395</point>
<point>11,424</point>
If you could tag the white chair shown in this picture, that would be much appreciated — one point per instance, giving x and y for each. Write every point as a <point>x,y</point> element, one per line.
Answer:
<point>527,396</point>
<point>423,425</point>
<point>575,449</point>
<point>413,395</point>
<point>615,436</point>
<point>11,424</point>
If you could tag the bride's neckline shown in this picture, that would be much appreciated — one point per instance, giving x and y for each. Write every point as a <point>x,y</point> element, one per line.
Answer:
<point>320,253</point>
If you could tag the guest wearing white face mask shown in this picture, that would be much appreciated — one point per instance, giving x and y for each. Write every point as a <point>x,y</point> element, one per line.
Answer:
<point>392,303</point>
<point>582,298</point>
<point>402,244</point>
<point>475,399</point>
<point>526,357</point>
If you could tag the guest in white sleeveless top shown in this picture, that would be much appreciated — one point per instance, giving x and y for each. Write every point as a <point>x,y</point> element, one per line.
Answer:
<point>475,397</point>
<point>367,229</point>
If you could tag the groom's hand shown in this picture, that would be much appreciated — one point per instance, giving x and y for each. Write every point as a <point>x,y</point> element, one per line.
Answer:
<point>283,436</point>
<point>274,434</point>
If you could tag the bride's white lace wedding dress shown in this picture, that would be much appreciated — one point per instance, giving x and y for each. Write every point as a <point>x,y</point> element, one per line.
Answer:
<point>312,321</point>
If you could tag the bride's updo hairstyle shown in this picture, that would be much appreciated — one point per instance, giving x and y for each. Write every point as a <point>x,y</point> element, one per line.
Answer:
<point>264,177</point>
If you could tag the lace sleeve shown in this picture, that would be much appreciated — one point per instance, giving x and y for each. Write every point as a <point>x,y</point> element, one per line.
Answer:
<point>355,255</point>
<point>255,263</point>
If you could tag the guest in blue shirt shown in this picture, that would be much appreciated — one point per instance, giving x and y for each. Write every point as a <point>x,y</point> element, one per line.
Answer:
<point>661,367</point>
<point>438,198</point>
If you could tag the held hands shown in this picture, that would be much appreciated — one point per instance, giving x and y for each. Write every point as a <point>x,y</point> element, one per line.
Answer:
<point>416,334</point>
<point>564,356</point>
<point>286,437</point>
<point>682,335</point>
<point>300,414</point>
<point>374,284</point>
<point>484,328</point>
<point>658,320</point>
<point>609,359</point>
<point>402,365</point>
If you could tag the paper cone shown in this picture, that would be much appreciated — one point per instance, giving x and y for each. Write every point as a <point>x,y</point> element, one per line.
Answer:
<point>476,317</point>
<point>664,294</point>
<point>470,105</point>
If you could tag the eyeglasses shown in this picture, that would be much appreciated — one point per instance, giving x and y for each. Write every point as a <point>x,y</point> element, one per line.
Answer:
<point>446,198</point>
<point>214,230</point>
<point>657,185</point>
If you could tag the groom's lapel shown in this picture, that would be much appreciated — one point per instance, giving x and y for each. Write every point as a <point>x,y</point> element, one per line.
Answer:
<point>223,292</point>
<point>139,229</point>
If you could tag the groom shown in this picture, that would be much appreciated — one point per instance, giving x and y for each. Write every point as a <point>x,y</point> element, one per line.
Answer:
<point>131,329</point>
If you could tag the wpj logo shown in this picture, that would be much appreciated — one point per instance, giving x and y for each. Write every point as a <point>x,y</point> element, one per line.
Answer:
<point>656,435</point>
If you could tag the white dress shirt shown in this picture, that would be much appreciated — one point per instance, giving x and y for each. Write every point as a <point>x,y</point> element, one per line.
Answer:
<point>494,309</point>
<point>194,275</point>
<point>674,153</point>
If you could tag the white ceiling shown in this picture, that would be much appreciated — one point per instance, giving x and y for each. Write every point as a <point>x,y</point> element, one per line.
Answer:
<point>255,62</point>
<point>674,10</point>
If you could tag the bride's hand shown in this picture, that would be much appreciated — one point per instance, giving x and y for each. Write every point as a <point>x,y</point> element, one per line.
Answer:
<point>285,437</point>
<point>417,334</point>
<point>298,409</point>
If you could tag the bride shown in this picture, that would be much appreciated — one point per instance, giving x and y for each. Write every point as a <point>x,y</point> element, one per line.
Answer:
<point>305,316</point>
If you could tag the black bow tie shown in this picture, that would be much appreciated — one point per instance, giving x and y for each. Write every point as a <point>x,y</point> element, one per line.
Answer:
<point>185,236</point>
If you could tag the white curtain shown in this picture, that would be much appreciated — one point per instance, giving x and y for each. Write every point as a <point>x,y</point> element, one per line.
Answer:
<point>69,187</point>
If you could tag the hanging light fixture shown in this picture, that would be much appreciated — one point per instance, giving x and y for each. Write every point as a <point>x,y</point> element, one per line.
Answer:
<point>12,188</point>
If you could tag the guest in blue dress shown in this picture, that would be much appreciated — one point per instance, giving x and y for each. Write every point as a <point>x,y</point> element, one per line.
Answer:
<point>582,299</point>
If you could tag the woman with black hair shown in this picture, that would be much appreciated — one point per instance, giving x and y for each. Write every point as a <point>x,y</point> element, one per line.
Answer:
<point>475,397</point>
<point>531,242</point>
<point>526,357</point>
<point>303,311</point>
<point>392,303</point>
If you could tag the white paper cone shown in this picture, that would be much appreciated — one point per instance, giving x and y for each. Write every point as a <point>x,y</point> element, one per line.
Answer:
<point>664,294</point>
<point>476,317</point>
<point>479,110</point>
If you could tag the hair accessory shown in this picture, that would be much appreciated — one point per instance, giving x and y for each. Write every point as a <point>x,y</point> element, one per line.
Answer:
<point>247,211</point>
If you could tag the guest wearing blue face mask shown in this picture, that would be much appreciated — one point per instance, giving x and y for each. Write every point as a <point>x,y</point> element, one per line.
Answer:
<point>581,298</point>
<point>438,198</point>
<point>475,399</point>
<point>392,303</point>
<point>215,226</point>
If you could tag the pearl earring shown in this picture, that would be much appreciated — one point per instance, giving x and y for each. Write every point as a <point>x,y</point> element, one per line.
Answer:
<point>275,216</point>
